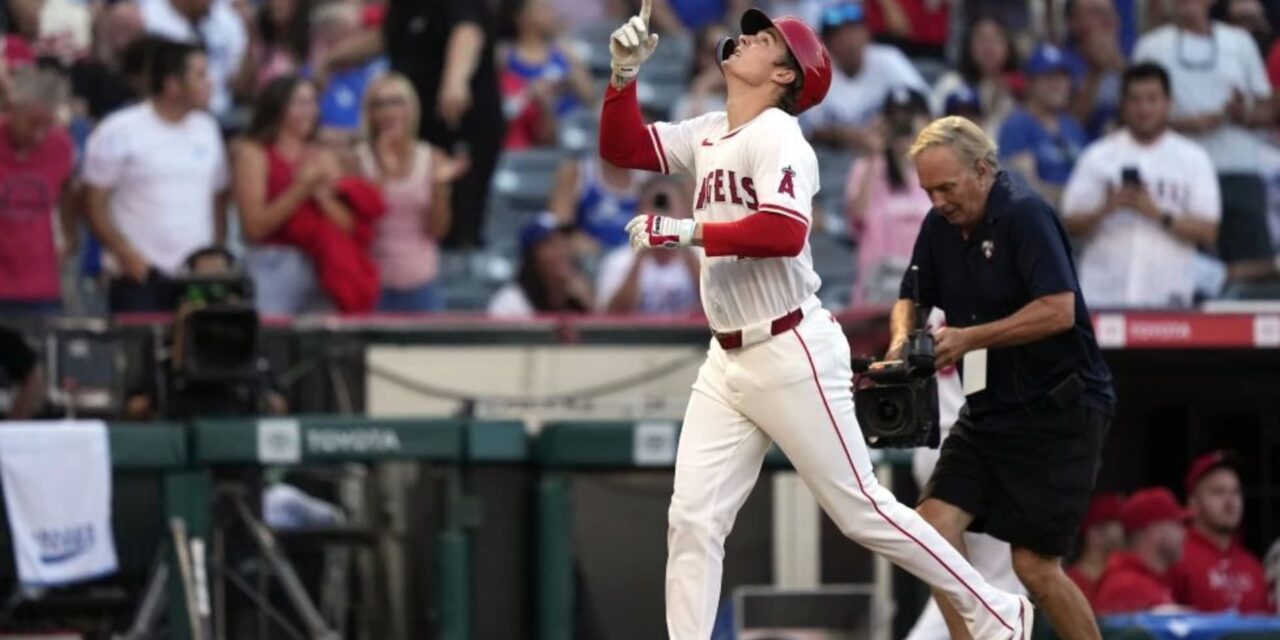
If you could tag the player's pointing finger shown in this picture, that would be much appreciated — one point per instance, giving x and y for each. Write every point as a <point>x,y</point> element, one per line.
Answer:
<point>635,224</point>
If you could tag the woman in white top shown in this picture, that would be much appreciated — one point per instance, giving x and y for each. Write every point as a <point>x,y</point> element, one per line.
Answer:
<point>415,179</point>
<point>989,66</point>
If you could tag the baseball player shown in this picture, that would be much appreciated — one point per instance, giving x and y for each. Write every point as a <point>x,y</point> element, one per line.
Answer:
<point>778,368</point>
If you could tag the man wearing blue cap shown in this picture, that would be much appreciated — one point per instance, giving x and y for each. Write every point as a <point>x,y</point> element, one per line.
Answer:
<point>963,102</point>
<point>548,279</point>
<point>1041,141</point>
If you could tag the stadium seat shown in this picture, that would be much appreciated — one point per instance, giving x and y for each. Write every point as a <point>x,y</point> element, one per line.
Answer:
<point>930,68</point>
<point>502,228</point>
<point>833,170</point>
<point>835,264</point>
<point>1266,290</point>
<point>524,178</point>
<point>578,130</point>
<point>657,98</point>
<point>665,69</point>
<point>670,59</point>
<point>469,278</point>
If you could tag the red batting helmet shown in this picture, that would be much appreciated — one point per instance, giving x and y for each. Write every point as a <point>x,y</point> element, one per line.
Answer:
<point>805,46</point>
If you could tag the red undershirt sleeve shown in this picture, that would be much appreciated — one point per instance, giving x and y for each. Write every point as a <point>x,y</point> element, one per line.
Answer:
<point>759,235</point>
<point>624,139</point>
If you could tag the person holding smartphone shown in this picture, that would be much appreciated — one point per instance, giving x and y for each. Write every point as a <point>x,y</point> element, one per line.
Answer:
<point>883,202</point>
<point>653,282</point>
<point>1141,202</point>
<point>1222,100</point>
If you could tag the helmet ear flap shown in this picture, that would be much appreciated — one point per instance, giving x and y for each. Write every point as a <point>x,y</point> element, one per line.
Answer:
<point>724,49</point>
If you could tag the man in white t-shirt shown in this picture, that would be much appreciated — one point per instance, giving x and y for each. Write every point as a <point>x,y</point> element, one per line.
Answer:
<point>864,75</point>
<point>214,26</point>
<point>1221,99</point>
<point>1142,200</point>
<point>653,282</point>
<point>157,178</point>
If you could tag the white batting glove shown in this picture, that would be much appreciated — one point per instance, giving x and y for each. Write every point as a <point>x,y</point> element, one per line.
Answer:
<point>660,232</point>
<point>632,44</point>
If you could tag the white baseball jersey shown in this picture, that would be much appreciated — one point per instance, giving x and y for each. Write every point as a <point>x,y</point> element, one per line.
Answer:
<point>763,165</point>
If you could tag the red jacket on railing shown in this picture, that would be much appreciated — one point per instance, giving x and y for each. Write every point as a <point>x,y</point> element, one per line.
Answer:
<point>343,266</point>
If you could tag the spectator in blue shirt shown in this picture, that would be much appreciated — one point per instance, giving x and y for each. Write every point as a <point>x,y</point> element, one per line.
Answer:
<point>597,199</point>
<point>1096,52</point>
<point>331,25</point>
<point>1042,141</point>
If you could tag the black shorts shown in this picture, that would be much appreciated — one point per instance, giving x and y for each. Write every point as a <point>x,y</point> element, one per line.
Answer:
<point>1028,485</point>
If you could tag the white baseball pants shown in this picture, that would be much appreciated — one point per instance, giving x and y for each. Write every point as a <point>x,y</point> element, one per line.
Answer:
<point>795,389</point>
<point>991,557</point>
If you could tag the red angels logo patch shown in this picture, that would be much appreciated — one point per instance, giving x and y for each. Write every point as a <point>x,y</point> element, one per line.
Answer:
<point>786,186</point>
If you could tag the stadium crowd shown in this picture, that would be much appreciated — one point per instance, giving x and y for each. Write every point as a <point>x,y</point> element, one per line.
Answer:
<point>356,155</point>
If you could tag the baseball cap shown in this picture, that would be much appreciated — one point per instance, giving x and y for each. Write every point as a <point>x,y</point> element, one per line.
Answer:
<point>1212,461</point>
<point>373,15</point>
<point>905,98</point>
<point>1150,506</point>
<point>842,13</point>
<point>1047,58</point>
<point>1104,507</point>
<point>539,229</point>
<point>962,99</point>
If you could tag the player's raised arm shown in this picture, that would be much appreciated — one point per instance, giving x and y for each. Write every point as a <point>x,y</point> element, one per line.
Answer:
<point>624,139</point>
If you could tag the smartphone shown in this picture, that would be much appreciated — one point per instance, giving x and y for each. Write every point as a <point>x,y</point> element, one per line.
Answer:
<point>1129,176</point>
<point>661,202</point>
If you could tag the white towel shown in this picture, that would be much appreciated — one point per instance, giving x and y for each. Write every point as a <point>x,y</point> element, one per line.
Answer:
<point>57,493</point>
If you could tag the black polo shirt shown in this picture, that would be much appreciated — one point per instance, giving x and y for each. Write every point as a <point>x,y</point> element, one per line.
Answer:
<point>1017,253</point>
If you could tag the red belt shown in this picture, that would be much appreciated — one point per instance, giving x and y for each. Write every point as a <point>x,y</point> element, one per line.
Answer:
<point>733,339</point>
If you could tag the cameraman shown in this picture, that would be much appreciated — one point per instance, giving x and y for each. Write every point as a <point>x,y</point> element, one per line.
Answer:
<point>207,399</point>
<point>20,367</point>
<point>1020,462</point>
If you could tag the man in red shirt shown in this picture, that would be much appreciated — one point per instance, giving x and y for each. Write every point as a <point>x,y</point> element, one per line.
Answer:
<point>918,27</point>
<point>1102,534</point>
<point>1273,71</point>
<point>1136,580</point>
<point>35,165</point>
<point>1216,573</point>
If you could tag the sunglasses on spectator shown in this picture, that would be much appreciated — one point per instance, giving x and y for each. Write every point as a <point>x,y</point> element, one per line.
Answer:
<point>842,14</point>
<point>391,101</point>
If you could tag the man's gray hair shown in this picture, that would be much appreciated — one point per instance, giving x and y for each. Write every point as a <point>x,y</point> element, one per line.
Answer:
<point>967,139</point>
<point>36,86</point>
